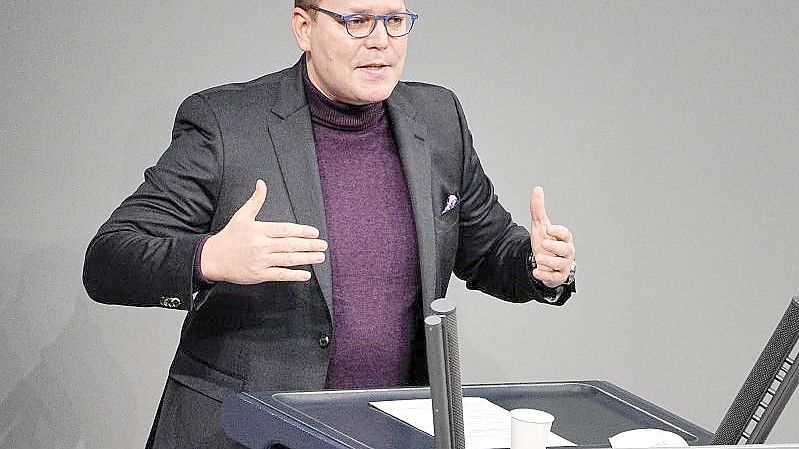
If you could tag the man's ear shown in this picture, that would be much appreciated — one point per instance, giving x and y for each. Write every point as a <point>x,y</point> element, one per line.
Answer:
<point>301,23</point>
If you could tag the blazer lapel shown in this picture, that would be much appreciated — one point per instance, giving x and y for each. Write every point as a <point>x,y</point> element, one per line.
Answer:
<point>415,155</point>
<point>292,136</point>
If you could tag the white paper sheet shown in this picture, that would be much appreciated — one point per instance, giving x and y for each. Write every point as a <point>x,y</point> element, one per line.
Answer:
<point>487,425</point>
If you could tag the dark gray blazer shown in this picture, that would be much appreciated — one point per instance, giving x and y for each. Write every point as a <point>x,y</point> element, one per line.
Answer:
<point>271,336</point>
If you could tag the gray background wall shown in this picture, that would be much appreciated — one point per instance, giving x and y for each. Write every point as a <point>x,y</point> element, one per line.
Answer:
<point>664,133</point>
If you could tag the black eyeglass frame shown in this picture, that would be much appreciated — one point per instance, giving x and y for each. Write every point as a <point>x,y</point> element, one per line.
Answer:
<point>345,19</point>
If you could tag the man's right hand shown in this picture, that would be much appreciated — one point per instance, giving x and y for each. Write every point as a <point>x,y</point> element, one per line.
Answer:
<point>247,251</point>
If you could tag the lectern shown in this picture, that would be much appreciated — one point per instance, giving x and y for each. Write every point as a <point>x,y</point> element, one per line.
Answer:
<point>587,413</point>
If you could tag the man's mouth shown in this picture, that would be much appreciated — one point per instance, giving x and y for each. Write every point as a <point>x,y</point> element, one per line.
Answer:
<point>374,70</point>
<point>373,66</point>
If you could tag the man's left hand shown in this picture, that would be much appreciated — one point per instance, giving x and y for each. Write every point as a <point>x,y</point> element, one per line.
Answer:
<point>553,245</point>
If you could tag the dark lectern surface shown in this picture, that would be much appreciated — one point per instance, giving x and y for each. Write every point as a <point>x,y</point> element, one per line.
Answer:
<point>586,413</point>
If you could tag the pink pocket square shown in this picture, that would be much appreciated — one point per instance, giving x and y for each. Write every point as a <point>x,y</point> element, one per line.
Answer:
<point>452,201</point>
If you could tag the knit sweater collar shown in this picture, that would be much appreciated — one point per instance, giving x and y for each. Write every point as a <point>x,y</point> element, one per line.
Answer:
<point>336,115</point>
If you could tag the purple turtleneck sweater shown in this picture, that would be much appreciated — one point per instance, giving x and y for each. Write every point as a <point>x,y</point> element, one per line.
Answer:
<point>372,238</point>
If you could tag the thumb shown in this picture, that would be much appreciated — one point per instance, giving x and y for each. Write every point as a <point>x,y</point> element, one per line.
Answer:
<point>538,210</point>
<point>253,205</point>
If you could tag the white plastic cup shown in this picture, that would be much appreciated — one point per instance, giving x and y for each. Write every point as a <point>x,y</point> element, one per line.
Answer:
<point>529,428</point>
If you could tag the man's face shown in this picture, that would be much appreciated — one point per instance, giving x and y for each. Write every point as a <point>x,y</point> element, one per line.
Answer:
<point>345,69</point>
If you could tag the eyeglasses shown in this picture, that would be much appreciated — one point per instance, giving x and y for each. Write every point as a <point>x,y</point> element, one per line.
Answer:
<point>361,25</point>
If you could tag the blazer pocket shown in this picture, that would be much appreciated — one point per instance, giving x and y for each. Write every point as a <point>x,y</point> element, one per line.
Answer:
<point>203,378</point>
<point>446,221</point>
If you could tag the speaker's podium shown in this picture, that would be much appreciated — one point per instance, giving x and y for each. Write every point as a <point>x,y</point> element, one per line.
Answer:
<point>586,413</point>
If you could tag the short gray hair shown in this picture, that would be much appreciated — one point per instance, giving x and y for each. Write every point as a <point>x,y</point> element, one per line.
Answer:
<point>305,4</point>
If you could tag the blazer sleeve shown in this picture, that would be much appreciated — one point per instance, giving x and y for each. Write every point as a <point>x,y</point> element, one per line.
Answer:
<point>492,250</point>
<point>144,254</point>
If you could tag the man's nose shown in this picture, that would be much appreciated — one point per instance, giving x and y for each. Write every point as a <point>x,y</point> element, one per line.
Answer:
<point>379,37</point>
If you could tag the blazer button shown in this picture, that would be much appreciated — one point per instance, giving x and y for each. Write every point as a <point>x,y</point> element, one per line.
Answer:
<point>324,340</point>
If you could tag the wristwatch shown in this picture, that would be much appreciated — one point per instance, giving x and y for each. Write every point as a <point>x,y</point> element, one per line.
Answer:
<point>550,294</point>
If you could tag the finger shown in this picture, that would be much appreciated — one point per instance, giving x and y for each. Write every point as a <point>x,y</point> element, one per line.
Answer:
<point>553,263</point>
<point>284,229</point>
<point>538,209</point>
<point>253,205</point>
<point>559,232</point>
<point>558,248</point>
<point>550,279</point>
<point>294,259</point>
<point>545,268</point>
<point>296,244</point>
<point>285,274</point>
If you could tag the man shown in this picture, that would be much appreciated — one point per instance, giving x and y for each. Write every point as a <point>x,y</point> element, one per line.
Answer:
<point>370,183</point>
